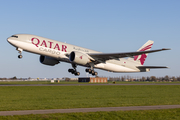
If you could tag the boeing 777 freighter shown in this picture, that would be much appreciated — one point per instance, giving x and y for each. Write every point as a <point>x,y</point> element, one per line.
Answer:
<point>52,52</point>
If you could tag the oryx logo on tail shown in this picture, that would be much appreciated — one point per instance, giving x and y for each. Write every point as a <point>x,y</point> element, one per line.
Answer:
<point>145,47</point>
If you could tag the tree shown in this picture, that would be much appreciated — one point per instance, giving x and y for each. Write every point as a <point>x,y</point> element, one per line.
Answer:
<point>153,78</point>
<point>122,78</point>
<point>174,78</point>
<point>166,78</point>
<point>178,78</point>
<point>143,78</point>
<point>14,78</point>
<point>67,79</point>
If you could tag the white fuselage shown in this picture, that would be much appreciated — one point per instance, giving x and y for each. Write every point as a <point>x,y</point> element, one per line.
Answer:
<point>59,50</point>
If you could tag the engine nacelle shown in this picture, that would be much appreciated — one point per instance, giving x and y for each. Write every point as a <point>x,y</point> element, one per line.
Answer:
<point>79,58</point>
<point>48,60</point>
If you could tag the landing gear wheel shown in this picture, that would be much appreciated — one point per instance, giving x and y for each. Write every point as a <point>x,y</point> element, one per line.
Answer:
<point>95,73</point>
<point>73,71</point>
<point>87,70</point>
<point>90,71</point>
<point>70,70</point>
<point>77,73</point>
<point>19,56</point>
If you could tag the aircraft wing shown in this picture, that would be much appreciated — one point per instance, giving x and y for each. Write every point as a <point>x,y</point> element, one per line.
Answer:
<point>102,57</point>
<point>152,67</point>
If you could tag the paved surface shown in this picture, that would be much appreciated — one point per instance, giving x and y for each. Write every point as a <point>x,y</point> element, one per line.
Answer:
<point>26,112</point>
<point>87,84</point>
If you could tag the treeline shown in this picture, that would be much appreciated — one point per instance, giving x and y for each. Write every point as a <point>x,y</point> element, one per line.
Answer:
<point>14,78</point>
<point>121,78</point>
<point>151,78</point>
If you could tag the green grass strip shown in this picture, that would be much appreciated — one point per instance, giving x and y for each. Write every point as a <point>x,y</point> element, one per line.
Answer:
<point>62,97</point>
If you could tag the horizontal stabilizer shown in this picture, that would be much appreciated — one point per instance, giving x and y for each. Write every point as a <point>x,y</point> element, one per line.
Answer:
<point>152,67</point>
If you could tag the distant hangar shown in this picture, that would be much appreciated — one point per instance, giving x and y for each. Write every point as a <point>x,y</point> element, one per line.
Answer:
<point>93,79</point>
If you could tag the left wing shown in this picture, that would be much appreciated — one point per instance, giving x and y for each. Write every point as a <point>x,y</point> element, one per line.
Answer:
<point>102,57</point>
<point>152,67</point>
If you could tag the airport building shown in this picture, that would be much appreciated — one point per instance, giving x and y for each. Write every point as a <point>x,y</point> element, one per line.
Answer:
<point>93,79</point>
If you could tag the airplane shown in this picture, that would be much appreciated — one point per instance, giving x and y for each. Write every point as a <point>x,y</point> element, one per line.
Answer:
<point>53,52</point>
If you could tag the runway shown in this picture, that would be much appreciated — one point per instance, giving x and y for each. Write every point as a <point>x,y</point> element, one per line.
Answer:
<point>74,110</point>
<point>94,84</point>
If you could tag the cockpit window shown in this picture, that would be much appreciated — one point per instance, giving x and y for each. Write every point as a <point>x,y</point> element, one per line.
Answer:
<point>14,36</point>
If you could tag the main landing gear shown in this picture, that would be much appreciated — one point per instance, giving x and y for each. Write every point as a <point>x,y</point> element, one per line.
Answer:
<point>91,71</point>
<point>73,71</point>
<point>20,52</point>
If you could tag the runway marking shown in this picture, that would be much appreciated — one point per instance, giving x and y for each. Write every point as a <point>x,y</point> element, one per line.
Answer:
<point>74,110</point>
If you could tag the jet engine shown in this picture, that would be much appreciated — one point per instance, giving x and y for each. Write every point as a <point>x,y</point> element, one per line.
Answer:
<point>79,58</point>
<point>48,60</point>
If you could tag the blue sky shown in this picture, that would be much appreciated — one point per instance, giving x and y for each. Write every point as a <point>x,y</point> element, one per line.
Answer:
<point>102,25</point>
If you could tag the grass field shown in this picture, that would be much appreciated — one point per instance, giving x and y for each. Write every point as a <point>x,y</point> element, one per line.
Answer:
<point>56,97</point>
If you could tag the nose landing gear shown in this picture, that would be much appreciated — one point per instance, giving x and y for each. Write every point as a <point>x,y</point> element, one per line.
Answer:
<point>19,56</point>
<point>20,52</point>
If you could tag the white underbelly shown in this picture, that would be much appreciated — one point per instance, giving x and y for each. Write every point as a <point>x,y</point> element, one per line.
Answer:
<point>115,68</point>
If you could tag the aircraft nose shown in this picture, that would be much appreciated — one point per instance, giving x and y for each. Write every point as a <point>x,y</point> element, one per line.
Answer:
<point>9,40</point>
<point>13,40</point>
